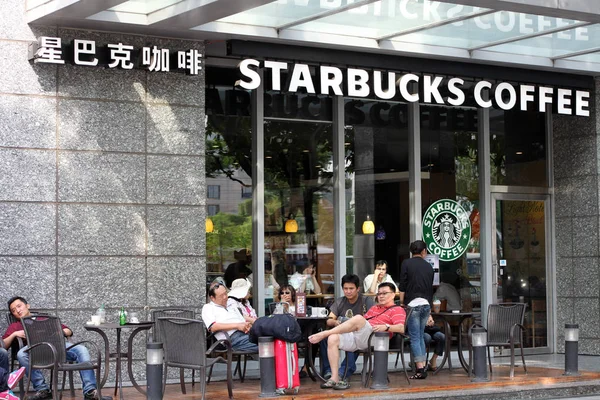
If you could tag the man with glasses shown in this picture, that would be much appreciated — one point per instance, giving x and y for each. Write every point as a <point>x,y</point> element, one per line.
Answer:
<point>218,318</point>
<point>353,335</point>
<point>351,304</point>
<point>416,289</point>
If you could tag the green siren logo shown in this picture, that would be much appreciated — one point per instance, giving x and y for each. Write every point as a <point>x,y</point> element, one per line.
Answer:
<point>446,229</point>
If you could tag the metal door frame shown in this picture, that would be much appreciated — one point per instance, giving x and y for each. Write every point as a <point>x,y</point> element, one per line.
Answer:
<point>550,270</point>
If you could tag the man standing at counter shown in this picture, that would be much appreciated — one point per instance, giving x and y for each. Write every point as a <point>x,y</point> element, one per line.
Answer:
<point>416,289</point>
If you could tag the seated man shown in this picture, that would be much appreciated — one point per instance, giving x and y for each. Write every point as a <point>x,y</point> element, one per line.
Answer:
<point>353,334</point>
<point>433,333</point>
<point>353,303</point>
<point>218,318</point>
<point>379,275</point>
<point>449,293</point>
<point>19,308</point>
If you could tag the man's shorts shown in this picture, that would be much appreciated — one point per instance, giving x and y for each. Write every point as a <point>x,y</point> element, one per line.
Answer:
<point>358,340</point>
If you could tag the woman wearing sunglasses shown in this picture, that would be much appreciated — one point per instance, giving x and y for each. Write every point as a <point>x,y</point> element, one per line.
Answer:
<point>287,294</point>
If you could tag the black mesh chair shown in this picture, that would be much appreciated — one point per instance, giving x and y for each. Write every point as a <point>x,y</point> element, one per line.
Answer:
<point>504,329</point>
<point>46,341</point>
<point>185,348</point>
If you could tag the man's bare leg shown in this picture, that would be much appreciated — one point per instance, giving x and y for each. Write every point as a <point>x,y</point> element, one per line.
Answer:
<point>333,353</point>
<point>353,324</point>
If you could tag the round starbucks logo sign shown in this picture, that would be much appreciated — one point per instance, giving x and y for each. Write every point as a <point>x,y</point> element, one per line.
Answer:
<point>446,229</point>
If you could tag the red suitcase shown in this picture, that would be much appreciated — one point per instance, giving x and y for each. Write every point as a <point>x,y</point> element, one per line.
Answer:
<point>287,374</point>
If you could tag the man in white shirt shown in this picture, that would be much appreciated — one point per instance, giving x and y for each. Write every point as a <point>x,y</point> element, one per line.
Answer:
<point>218,318</point>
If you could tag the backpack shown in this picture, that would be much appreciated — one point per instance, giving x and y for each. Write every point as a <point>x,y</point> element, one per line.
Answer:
<point>280,326</point>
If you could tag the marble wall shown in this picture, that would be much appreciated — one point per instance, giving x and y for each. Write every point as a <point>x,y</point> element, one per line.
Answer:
<point>103,183</point>
<point>577,218</point>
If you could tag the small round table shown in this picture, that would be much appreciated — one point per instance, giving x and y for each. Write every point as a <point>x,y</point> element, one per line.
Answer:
<point>137,328</point>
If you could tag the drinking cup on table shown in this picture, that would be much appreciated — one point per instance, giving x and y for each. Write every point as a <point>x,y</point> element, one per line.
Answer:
<point>95,319</point>
<point>133,318</point>
<point>436,306</point>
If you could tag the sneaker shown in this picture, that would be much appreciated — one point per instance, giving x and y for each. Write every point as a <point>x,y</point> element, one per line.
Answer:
<point>43,394</point>
<point>15,377</point>
<point>93,395</point>
<point>341,385</point>
<point>328,385</point>
<point>8,395</point>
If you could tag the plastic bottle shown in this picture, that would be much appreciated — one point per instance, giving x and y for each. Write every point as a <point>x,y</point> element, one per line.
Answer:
<point>102,313</point>
<point>122,316</point>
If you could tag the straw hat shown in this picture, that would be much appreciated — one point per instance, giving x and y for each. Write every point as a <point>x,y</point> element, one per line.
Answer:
<point>239,288</point>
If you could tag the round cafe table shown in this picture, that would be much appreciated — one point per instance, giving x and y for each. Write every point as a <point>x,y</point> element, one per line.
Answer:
<point>118,354</point>
<point>309,325</point>
<point>461,316</point>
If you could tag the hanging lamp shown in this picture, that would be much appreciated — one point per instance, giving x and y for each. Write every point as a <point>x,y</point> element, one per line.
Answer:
<point>210,227</point>
<point>368,226</point>
<point>291,226</point>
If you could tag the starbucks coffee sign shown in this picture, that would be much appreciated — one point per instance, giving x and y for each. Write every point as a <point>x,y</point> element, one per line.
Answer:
<point>446,229</point>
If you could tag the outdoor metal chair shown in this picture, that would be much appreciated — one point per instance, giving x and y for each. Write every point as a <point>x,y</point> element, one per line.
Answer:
<point>47,350</point>
<point>157,335</point>
<point>504,329</point>
<point>185,348</point>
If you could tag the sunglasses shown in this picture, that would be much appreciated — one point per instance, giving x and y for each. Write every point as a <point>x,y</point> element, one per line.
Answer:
<point>280,293</point>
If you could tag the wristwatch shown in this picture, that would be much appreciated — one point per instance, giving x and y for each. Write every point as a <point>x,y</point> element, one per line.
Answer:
<point>387,327</point>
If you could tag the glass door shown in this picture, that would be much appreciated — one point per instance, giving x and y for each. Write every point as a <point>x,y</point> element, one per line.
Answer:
<point>521,258</point>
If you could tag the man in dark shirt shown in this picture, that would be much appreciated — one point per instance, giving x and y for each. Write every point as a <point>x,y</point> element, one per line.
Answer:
<point>353,303</point>
<point>416,290</point>
<point>19,308</point>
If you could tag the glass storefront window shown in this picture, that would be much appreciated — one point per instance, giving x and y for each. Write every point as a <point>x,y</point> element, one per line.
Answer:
<point>228,168</point>
<point>449,170</point>
<point>299,229</point>
<point>518,148</point>
<point>376,176</point>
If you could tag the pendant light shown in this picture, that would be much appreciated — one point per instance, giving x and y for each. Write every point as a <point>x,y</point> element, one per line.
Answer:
<point>291,226</point>
<point>210,227</point>
<point>368,226</point>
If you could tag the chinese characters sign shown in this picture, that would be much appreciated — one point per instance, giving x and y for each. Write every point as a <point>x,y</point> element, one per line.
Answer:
<point>50,50</point>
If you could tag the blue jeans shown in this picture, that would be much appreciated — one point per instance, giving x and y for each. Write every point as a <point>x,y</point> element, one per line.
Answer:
<point>416,327</point>
<point>77,354</point>
<point>4,372</point>
<point>241,341</point>
<point>350,360</point>
<point>439,339</point>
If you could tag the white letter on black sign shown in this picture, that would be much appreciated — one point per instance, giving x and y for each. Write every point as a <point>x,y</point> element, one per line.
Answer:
<point>452,88</point>
<point>357,82</point>
<point>378,82</point>
<point>276,67</point>
<point>545,97</point>
<point>245,70</point>
<point>581,101</point>
<point>478,99</point>
<point>331,77</point>
<point>512,96</point>
<point>526,95</point>
<point>301,78</point>
<point>564,101</point>
<point>430,88</point>
<point>403,85</point>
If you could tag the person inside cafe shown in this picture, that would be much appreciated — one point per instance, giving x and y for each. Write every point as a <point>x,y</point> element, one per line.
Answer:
<point>218,318</point>
<point>238,269</point>
<point>434,335</point>
<point>352,303</point>
<point>379,275</point>
<point>287,294</point>
<point>279,270</point>
<point>19,308</point>
<point>353,334</point>
<point>416,290</point>
<point>309,283</point>
<point>448,292</point>
<point>237,299</point>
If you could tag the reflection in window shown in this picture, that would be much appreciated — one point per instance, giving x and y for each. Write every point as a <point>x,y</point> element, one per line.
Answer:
<point>213,192</point>
<point>449,171</point>
<point>246,192</point>
<point>376,173</point>
<point>298,187</point>
<point>228,165</point>
<point>518,148</point>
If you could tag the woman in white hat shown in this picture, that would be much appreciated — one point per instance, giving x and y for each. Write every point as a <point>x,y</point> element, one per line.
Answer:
<point>238,299</point>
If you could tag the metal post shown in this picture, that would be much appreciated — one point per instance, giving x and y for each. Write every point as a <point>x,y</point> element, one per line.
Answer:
<point>381,346</point>
<point>154,370</point>
<point>571,349</point>
<point>266,354</point>
<point>479,343</point>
